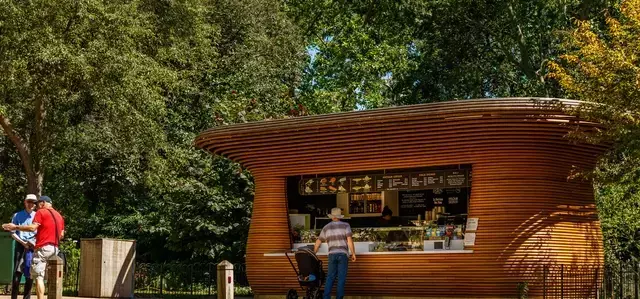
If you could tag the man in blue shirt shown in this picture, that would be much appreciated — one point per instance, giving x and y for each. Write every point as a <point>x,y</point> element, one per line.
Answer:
<point>25,241</point>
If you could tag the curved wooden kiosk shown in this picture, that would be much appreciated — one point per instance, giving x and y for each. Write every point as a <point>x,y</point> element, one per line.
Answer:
<point>535,224</point>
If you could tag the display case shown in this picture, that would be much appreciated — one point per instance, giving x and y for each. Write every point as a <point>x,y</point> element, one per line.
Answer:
<point>391,238</point>
<point>426,237</point>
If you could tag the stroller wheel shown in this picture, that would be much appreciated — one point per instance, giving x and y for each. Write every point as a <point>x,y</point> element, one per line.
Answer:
<point>292,294</point>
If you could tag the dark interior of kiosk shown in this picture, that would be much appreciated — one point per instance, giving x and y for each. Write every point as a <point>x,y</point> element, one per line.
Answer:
<point>443,207</point>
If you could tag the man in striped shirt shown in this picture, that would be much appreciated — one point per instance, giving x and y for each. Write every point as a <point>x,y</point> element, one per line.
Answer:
<point>337,234</point>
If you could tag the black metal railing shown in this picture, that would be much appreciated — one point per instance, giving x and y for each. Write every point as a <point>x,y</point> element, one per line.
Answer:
<point>566,282</point>
<point>548,282</point>
<point>70,282</point>
<point>611,282</point>
<point>166,280</point>
<point>621,282</point>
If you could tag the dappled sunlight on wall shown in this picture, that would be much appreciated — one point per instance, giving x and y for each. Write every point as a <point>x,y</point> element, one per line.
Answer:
<point>532,217</point>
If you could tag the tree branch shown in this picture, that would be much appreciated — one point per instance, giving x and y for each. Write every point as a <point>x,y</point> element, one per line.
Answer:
<point>22,148</point>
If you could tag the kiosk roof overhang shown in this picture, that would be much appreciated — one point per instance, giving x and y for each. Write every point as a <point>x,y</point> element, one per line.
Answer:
<point>362,140</point>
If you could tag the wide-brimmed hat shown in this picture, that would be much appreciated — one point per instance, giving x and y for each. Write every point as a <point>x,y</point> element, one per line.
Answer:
<point>336,213</point>
<point>31,197</point>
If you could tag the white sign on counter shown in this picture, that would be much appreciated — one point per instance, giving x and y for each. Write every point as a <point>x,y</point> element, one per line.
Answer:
<point>469,239</point>
<point>472,224</point>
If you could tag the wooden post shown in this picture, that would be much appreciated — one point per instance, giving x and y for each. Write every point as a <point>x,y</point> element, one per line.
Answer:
<point>225,280</point>
<point>55,265</point>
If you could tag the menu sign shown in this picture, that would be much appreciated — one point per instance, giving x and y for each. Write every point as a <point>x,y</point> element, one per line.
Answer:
<point>472,224</point>
<point>333,184</point>
<point>469,239</point>
<point>392,182</point>
<point>308,186</point>
<point>456,178</point>
<point>427,180</point>
<point>413,203</point>
<point>362,184</point>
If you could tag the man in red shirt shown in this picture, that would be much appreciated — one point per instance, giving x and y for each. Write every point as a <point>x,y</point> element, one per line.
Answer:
<point>49,225</point>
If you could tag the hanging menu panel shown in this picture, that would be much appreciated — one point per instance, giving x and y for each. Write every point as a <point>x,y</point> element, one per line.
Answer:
<point>427,180</point>
<point>456,178</point>
<point>393,182</point>
<point>333,184</point>
<point>308,186</point>
<point>363,183</point>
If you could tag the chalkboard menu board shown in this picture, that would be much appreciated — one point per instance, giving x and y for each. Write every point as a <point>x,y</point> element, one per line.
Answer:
<point>426,180</point>
<point>392,182</point>
<point>455,199</point>
<point>456,178</point>
<point>413,203</point>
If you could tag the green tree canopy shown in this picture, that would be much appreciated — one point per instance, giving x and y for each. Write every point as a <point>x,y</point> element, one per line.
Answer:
<point>379,53</point>
<point>107,98</point>
<point>602,67</point>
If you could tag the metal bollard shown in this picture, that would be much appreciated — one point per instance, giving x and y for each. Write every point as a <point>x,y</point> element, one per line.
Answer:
<point>55,265</point>
<point>225,280</point>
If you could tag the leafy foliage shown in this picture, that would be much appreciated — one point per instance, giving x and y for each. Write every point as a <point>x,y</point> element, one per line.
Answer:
<point>107,97</point>
<point>126,86</point>
<point>379,53</point>
<point>602,67</point>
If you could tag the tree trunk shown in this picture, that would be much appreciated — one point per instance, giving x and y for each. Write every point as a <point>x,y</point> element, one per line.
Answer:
<point>34,184</point>
<point>34,177</point>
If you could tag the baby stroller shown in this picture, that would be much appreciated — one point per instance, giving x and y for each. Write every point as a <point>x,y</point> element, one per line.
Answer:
<point>309,273</point>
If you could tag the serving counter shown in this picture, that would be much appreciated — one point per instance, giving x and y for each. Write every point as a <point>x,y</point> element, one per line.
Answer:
<point>277,254</point>
<point>395,239</point>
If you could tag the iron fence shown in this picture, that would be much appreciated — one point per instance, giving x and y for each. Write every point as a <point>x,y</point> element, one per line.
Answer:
<point>166,280</point>
<point>611,282</point>
<point>69,282</point>
<point>621,282</point>
<point>566,282</point>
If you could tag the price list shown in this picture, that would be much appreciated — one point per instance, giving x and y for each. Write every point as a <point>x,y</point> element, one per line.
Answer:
<point>392,182</point>
<point>456,178</point>
<point>427,180</point>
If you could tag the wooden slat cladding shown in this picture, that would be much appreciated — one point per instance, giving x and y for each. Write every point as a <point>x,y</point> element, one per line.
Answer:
<point>531,214</point>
